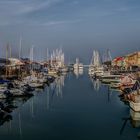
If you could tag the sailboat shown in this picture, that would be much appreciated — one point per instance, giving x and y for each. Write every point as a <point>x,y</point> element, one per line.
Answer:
<point>91,66</point>
<point>78,66</point>
<point>95,67</point>
<point>34,80</point>
<point>57,62</point>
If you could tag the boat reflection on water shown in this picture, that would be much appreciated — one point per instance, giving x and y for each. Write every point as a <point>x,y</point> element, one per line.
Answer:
<point>133,119</point>
<point>7,106</point>
<point>78,72</point>
<point>55,89</point>
<point>51,107</point>
<point>5,117</point>
<point>96,84</point>
<point>59,85</point>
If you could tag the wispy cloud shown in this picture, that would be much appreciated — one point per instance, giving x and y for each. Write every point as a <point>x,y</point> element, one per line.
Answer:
<point>33,7</point>
<point>14,11</point>
<point>51,23</point>
<point>19,7</point>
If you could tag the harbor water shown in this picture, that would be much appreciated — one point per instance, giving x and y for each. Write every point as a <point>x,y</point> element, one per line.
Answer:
<point>73,108</point>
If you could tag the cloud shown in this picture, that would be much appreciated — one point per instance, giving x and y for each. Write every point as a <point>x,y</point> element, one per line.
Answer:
<point>51,23</point>
<point>33,7</point>
<point>28,12</point>
<point>16,11</point>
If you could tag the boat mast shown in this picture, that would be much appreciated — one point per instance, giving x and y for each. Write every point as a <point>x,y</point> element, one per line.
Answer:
<point>109,55</point>
<point>20,45</point>
<point>20,53</point>
<point>47,54</point>
<point>10,51</point>
<point>7,48</point>
<point>31,56</point>
<point>92,59</point>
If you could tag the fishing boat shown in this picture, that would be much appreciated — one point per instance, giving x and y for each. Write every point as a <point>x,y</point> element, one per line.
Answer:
<point>16,91</point>
<point>126,81</point>
<point>34,83</point>
<point>132,95</point>
<point>111,79</point>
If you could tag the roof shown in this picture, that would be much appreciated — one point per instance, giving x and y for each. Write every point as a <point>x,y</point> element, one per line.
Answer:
<point>119,59</point>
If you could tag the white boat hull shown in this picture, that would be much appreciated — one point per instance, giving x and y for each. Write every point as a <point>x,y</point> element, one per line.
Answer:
<point>135,106</point>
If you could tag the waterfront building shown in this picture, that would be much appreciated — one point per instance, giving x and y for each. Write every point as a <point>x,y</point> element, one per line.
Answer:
<point>13,66</point>
<point>127,62</point>
<point>132,60</point>
<point>119,63</point>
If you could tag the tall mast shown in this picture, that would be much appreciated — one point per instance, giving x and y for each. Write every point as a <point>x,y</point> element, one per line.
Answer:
<point>92,59</point>
<point>20,45</point>
<point>109,55</point>
<point>31,56</point>
<point>7,49</point>
<point>10,51</point>
<point>47,54</point>
<point>32,53</point>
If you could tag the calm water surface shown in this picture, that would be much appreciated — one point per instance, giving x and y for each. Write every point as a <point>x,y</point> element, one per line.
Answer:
<point>72,108</point>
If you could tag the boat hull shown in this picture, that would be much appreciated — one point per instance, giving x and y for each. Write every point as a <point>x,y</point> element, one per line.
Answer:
<point>135,106</point>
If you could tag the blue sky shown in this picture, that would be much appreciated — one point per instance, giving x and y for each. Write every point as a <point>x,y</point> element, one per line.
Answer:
<point>78,26</point>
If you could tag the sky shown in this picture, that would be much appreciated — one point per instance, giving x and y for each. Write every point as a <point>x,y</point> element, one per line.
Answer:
<point>76,26</point>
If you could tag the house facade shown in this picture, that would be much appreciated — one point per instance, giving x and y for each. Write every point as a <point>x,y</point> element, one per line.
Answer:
<point>127,62</point>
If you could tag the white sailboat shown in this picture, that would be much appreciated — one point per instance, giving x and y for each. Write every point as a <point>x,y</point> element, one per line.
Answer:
<point>57,62</point>
<point>34,80</point>
<point>78,65</point>
<point>95,67</point>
